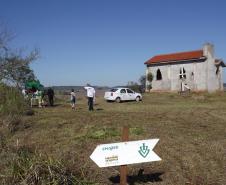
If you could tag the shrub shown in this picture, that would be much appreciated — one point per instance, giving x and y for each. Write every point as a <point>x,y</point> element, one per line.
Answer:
<point>11,101</point>
<point>150,77</point>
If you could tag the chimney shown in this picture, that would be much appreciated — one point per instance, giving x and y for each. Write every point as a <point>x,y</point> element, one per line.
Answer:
<point>208,50</point>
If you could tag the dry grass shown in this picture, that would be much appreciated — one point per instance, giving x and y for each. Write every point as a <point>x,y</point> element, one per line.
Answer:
<point>191,129</point>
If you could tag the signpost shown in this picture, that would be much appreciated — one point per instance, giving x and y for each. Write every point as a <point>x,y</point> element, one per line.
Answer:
<point>123,168</point>
<point>124,153</point>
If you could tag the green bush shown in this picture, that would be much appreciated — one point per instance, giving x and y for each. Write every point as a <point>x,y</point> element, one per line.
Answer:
<point>11,101</point>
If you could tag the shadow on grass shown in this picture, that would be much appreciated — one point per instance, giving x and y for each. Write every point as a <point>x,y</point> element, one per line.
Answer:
<point>47,106</point>
<point>54,105</point>
<point>140,177</point>
<point>99,109</point>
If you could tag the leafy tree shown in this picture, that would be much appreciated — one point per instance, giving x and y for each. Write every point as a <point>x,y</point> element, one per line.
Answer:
<point>16,69</point>
<point>14,66</point>
<point>150,79</point>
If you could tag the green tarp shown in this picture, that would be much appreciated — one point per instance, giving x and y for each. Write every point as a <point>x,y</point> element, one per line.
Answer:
<point>34,85</point>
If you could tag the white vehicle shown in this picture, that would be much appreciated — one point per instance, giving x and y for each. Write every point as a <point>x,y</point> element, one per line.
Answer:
<point>122,94</point>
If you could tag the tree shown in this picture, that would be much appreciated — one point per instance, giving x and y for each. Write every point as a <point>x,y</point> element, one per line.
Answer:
<point>16,69</point>
<point>14,66</point>
<point>5,37</point>
<point>142,81</point>
<point>134,86</point>
<point>149,79</point>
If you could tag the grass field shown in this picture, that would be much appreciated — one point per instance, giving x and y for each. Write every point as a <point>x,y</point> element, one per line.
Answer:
<point>191,129</point>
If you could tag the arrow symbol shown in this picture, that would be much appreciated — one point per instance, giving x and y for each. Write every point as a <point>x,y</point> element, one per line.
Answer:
<point>144,151</point>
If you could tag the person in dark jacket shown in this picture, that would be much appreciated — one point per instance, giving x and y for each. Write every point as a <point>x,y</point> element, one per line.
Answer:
<point>50,94</point>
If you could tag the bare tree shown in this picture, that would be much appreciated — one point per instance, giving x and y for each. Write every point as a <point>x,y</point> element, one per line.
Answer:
<point>142,80</point>
<point>5,37</point>
<point>134,86</point>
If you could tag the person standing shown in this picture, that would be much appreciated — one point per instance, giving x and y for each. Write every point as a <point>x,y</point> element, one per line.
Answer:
<point>50,94</point>
<point>38,95</point>
<point>90,95</point>
<point>73,99</point>
<point>24,93</point>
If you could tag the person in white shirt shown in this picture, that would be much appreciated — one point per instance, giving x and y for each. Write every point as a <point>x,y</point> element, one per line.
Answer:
<point>24,93</point>
<point>73,99</point>
<point>90,95</point>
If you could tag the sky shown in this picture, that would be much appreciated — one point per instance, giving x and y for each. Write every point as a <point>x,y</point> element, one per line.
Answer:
<point>106,42</point>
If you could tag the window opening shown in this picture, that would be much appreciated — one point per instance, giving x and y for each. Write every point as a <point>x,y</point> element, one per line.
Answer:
<point>159,75</point>
<point>182,73</point>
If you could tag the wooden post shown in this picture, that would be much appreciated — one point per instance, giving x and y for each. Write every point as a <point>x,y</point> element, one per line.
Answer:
<point>123,168</point>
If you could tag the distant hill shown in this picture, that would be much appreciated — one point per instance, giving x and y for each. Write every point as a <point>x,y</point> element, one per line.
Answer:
<point>80,91</point>
<point>76,88</point>
<point>66,88</point>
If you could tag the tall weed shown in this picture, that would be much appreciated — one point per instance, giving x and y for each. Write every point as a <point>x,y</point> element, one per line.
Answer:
<point>27,167</point>
<point>11,101</point>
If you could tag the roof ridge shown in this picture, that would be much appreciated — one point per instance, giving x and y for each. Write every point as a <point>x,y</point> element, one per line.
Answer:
<point>182,52</point>
<point>178,56</point>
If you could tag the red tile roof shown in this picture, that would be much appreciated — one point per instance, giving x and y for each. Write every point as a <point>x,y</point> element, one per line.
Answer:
<point>174,57</point>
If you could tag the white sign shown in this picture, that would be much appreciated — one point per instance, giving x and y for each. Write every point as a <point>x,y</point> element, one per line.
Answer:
<point>117,154</point>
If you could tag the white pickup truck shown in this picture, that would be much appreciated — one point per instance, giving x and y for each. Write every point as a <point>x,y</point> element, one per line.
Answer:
<point>122,94</point>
